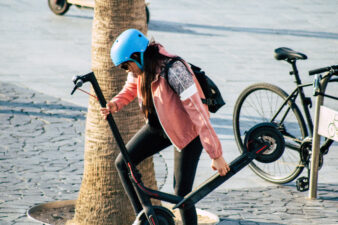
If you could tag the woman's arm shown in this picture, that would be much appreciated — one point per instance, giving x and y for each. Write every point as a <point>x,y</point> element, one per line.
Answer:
<point>127,94</point>
<point>123,98</point>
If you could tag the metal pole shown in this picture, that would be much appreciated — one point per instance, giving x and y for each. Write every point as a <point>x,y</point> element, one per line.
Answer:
<point>315,151</point>
<point>316,138</point>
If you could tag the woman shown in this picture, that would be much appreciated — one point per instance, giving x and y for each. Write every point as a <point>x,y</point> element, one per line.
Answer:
<point>173,109</point>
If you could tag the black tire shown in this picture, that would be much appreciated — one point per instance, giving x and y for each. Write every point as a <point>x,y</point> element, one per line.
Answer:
<point>258,103</point>
<point>59,7</point>
<point>147,14</point>
<point>263,133</point>
<point>163,217</point>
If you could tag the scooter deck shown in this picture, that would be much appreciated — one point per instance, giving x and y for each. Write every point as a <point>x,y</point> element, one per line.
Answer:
<point>215,181</point>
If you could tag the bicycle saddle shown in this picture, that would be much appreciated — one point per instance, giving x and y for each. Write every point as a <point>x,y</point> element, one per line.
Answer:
<point>288,54</point>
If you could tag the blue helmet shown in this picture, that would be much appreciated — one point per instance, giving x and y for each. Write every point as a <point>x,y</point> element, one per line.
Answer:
<point>127,43</point>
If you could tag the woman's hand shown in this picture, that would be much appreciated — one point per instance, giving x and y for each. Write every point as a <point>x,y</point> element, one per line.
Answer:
<point>111,107</point>
<point>220,165</point>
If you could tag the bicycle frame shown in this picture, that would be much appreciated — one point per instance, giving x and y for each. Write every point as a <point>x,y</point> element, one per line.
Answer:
<point>306,104</point>
<point>145,194</point>
<point>292,97</point>
<point>305,101</point>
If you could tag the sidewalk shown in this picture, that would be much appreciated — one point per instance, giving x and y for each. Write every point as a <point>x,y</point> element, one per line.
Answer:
<point>41,151</point>
<point>42,161</point>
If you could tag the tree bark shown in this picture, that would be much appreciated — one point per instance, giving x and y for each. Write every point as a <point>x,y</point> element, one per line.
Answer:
<point>101,198</point>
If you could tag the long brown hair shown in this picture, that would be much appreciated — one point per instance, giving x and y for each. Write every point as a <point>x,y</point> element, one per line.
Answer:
<point>152,61</point>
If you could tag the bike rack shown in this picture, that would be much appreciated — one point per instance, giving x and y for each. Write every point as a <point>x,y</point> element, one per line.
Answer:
<point>320,84</point>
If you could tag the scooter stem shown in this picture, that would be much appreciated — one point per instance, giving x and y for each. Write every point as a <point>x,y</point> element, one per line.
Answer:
<point>90,77</point>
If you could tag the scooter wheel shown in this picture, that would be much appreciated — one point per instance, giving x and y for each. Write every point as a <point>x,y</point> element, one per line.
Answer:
<point>164,217</point>
<point>265,133</point>
<point>59,7</point>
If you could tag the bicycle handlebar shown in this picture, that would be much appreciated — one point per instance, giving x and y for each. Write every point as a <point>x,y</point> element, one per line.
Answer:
<point>324,69</point>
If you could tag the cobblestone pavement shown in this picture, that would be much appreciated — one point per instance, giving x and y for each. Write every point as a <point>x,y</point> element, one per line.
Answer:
<point>41,160</point>
<point>274,206</point>
<point>41,152</point>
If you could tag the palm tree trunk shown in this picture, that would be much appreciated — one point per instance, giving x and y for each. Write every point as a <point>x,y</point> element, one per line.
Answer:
<point>102,199</point>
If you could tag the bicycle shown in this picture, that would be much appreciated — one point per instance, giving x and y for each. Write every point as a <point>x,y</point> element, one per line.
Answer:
<point>264,102</point>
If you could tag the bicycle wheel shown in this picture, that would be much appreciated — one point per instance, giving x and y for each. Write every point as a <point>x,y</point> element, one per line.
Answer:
<point>259,103</point>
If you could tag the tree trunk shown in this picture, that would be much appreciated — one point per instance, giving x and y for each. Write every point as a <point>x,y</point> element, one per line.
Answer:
<point>102,199</point>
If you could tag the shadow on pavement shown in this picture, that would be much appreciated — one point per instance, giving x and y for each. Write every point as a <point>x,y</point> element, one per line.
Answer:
<point>223,127</point>
<point>79,16</point>
<point>24,108</point>
<point>42,105</point>
<point>41,114</point>
<point>160,25</point>
<point>245,222</point>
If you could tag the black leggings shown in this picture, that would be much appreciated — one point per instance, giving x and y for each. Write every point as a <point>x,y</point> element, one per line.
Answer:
<point>149,141</point>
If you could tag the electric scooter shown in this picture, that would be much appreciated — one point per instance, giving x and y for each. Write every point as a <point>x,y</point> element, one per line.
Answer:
<point>263,142</point>
<point>60,7</point>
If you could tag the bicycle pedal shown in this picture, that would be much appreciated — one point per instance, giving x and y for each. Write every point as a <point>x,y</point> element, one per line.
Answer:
<point>302,184</point>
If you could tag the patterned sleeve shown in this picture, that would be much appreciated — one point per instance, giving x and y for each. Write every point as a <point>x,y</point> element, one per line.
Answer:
<point>181,80</point>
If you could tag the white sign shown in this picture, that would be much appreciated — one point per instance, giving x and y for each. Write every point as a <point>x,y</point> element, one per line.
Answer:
<point>328,123</point>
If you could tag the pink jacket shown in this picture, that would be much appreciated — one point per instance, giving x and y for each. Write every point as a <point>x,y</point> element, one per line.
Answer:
<point>183,117</point>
